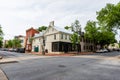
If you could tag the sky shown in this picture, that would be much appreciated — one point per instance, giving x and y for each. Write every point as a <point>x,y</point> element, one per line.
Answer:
<point>16,16</point>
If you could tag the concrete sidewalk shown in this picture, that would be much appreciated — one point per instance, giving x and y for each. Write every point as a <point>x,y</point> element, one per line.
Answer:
<point>1,57</point>
<point>2,75</point>
<point>15,60</point>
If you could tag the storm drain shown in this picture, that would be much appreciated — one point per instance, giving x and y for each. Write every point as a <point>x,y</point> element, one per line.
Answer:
<point>62,66</point>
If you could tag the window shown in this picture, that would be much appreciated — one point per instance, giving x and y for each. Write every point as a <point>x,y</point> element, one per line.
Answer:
<point>65,36</point>
<point>84,47</point>
<point>54,36</point>
<point>69,37</point>
<point>61,36</point>
<point>52,29</point>
<point>21,41</point>
<point>48,31</point>
<point>46,38</point>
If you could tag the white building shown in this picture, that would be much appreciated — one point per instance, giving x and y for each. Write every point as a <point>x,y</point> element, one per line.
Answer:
<point>57,40</point>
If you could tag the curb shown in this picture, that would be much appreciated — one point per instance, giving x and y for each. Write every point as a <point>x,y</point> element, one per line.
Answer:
<point>1,57</point>
<point>2,75</point>
<point>5,62</point>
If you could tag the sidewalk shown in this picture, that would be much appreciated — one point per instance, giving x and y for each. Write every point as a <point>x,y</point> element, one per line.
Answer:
<point>2,75</point>
<point>17,59</point>
<point>64,54</point>
<point>1,57</point>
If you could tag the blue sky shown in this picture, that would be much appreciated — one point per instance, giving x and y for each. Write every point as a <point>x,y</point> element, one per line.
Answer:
<point>18,15</point>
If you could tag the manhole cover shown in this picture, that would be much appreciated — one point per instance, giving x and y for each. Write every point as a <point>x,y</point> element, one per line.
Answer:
<point>62,66</point>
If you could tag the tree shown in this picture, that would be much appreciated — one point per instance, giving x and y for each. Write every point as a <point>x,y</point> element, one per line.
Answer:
<point>98,34</point>
<point>75,37</point>
<point>76,27</point>
<point>42,28</point>
<point>67,27</point>
<point>10,44</point>
<point>106,37</point>
<point>109,16</point>
<point>119,45</point>
<point>1,37</point>
<point>92,31</point>
<point>16,43</point>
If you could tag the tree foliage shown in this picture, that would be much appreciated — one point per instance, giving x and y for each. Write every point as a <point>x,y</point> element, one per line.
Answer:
<point>15,43</point>
<point>42,28</point>
<point>106,37</point>
<point>75,39</point>
<point>76,27</point>
<point>109,16</point>
<point>67,27</point>
<point>92,31</point>
<point>1,36</point>
<point>99,34</point>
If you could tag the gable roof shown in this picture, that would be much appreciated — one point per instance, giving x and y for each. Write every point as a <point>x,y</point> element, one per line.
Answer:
<point>63,30</point>
<point>38,35</point>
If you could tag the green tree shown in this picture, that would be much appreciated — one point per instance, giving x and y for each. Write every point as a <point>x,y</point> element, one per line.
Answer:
<point>109,16</point>
<point>1,37</point>
<point>16,43</point>
<point>106,37</point>
<point>76,27</point>
<point>10,44</point>
<point>67,27</point>
<point>119,45</point>
<point>92,31</point>
<point>75,37</point>
<point>42,28</point>
<point>98,34</point>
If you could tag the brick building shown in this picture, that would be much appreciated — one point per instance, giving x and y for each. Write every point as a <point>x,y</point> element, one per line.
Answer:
<point>29,34</point>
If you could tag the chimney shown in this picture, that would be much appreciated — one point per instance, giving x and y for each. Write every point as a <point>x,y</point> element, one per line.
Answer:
<point>51,24</point>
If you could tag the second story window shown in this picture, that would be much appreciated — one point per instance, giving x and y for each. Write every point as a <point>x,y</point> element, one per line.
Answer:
<point>65,36</point>
<point>61,36</point>
<point>54,36</point>
<point>21,41</point>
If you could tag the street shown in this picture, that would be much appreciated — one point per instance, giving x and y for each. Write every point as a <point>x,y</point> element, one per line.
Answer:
<point>98,66</point>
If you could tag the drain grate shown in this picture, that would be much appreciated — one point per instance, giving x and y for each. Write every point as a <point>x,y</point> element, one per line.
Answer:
<point>62,66</point>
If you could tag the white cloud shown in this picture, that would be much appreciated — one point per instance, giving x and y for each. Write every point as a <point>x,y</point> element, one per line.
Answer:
<point>18,15</point>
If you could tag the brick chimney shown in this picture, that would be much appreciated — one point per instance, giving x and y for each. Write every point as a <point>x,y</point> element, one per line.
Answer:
<point>51,24</point>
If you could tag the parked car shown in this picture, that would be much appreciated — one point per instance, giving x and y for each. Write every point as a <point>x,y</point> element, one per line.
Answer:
<point>105,50</point>
<point>10,49</point>
<point>21,50</point>
<point>102,51</point>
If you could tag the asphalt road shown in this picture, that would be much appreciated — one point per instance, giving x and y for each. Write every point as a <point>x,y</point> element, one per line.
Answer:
<point>7,54</point>
<point>64,68</point>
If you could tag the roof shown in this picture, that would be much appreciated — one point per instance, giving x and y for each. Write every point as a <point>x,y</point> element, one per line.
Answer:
<point>63,30</point>
<point>31,29</point>
<point>38,35</point>
<point>19,36</point>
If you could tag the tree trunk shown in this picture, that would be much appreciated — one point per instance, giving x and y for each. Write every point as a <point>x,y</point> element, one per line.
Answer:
<point>43,50</point>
